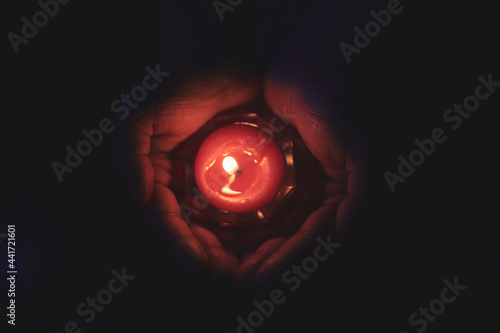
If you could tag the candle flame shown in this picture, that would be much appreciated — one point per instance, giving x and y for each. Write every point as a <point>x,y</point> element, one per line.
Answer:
<point>229,164</point>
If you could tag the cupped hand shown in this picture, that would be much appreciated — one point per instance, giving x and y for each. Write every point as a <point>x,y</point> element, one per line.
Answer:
<point>157,131</point>
<point>331,179</point>
<point>328,176</point>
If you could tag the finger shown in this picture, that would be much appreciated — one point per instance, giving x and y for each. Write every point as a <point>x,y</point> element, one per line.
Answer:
<point>288,102</point>
<point>167,122</point>
<point>228,238</point>
<point>251,263</point>
<point>162,170</point>
<point>169,172</point>
<point>198,98</point>
<point>295,220</point>
<point>318,223</point>
<point>165,210</point>
<point>222,263</point>
<point>175,124</point>
<point>265,242</point>
<point>258,234</point>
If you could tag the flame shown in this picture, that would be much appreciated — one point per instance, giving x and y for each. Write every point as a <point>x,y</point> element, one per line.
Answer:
<point>229,164</point>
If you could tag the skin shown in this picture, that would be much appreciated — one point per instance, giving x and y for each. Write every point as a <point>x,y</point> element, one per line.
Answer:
<point>249,255</point>
<point>299,81</point>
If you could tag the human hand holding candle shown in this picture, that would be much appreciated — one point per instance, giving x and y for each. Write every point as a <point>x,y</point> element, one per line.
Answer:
<point>327,173</point>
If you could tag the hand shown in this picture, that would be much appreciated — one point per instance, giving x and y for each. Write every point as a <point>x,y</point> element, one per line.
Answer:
<point>304,81</point>
<point>329,169</point>
<point>331,179</point>
<point>260,252</point>
<point>157,131</point>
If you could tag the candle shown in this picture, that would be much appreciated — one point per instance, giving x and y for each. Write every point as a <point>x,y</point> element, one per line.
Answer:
<point>239,168</point>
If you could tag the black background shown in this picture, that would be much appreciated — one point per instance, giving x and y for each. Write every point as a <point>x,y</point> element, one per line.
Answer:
<point>436,225</point>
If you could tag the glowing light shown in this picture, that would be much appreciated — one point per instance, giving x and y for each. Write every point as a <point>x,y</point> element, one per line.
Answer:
<point>229,164</point>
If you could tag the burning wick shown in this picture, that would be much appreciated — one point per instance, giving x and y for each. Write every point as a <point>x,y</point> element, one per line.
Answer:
<point>229,164</point>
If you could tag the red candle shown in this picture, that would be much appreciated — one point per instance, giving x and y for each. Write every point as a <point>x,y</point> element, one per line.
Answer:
<point>239,168</point>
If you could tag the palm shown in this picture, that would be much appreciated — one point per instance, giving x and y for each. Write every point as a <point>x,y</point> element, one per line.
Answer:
<point>259,252</point>
<point>155,134</point>
<point>324,176</point>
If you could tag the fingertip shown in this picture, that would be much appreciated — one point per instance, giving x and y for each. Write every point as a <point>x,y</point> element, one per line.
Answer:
<point>166,213</point>
<point>267,275</point>
<point>223,265</point>
<point>246,272</point>
<point>193,256</point>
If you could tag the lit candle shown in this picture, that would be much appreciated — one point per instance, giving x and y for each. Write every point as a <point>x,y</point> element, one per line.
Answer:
<point>239,168</point>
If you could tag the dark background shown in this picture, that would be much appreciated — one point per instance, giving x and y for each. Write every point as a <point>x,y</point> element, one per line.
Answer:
<point>438,224</point>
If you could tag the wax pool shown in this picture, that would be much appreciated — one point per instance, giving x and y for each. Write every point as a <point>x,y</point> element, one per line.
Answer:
<point>239,168</point>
